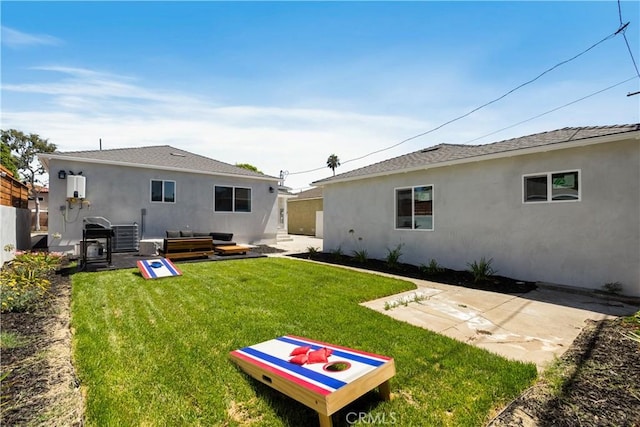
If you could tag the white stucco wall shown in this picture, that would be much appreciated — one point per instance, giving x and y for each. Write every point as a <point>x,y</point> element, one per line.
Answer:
<point>478,211</point>
<point>14,230</point>
<point>119,194</point>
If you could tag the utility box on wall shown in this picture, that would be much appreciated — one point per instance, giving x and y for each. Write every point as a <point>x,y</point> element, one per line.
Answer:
<point>76,186</point>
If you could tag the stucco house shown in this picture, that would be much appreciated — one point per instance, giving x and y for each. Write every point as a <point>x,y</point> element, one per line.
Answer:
<point>560,207</point>
<point>157,188</point>
<point>305,213</point>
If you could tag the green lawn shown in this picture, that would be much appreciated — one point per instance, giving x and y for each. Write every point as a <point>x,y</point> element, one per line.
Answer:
<point>156,352</point>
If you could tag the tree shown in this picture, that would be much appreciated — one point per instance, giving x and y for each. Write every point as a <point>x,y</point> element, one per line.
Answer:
<point>7,160</point>
<point>333,162</point>
<point>248,167</point>
<point>24,149</point>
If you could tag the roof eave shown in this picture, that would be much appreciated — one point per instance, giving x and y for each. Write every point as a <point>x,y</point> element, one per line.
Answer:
<point>45,157</point>
<point>500,155</point>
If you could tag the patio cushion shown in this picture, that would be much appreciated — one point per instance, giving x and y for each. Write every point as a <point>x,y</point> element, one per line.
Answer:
<point>300,350</point>
<point>226,237</point>
<point>186,233</point>
<point>172,234</point>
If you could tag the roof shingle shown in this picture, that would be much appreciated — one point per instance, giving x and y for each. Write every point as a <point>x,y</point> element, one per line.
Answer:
<point>443,153</point>
<point>161,156</point>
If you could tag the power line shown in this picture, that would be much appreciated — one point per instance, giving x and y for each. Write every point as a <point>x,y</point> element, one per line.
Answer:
<point>552,110</point>
<point>623,29</point>
<point>631,54</point>
<point>620,12</point>
<point>475,109</point>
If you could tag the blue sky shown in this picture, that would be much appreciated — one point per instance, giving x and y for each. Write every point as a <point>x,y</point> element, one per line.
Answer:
<point>284,85</point>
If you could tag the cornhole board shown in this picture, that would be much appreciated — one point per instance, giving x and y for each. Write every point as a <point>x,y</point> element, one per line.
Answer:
<point>157,268</point>
<point>313,385</point>
<point>230,249</point>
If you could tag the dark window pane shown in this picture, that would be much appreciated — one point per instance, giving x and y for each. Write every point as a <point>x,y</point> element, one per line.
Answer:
<point>223,199</point>
<point>169,191</point>
<point>564,186</point>
<point>243,200</point>
<point>404,208</point>
<point>156,191</point>
<point>423,208</point>
<point>535,189</point>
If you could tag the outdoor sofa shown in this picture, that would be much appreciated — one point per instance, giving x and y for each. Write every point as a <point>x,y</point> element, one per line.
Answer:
<point>192,244</point>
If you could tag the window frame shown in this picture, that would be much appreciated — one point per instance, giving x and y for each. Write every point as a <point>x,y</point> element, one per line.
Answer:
<point>234,199</point>
<point>413,222</point>
<point>549,178</point>
<point>163,181</point>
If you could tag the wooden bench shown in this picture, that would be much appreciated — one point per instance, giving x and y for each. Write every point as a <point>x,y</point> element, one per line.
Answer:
<point>187,247</point>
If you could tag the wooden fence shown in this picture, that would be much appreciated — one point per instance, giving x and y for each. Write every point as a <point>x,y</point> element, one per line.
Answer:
<point>12,192</point>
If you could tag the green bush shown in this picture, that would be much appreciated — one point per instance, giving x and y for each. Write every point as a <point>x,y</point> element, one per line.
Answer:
<point>432,269</point>
<point>481,270</point>
<point>23,281</point>
<point>337,253</point>
<point>393,257</point>
<point>361,256</point>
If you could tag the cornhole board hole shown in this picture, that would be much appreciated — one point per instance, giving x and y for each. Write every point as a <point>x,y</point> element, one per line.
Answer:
<point>157,268</point>
<point>317,385</point>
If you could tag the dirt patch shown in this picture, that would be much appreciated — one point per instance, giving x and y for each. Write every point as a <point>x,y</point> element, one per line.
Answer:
<point>494,283</point>
<point>40,387</point>
<point>595,383</point>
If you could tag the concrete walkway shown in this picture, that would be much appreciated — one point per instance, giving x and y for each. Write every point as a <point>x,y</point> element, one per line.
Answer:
<point>533,327</point>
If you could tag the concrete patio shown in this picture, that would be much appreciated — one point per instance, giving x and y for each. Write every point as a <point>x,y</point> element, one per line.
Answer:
<point>534,327</point>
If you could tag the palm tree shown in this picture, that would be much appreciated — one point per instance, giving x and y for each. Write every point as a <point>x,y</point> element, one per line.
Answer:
<point>333,162</point>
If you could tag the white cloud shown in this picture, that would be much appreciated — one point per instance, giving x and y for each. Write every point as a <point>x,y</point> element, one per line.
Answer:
<point>17,39</point>
<point>82,106</point>
<point>85,106</point>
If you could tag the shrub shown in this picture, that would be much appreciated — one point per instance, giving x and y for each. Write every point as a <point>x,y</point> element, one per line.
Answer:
<point>481,270</point>
<point>312,250</point>
<point>23,281</point>
<point>361,256</point>
<point>612,288</point>
<point>432,269</point>
<point>393,257</point>
<point>337,253</point>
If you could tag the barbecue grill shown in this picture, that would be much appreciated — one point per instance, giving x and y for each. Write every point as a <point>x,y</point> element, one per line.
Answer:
<point>96,234</point>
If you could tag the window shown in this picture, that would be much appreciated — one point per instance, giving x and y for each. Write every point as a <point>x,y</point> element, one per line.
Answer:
<point>414,208</point>
<point>231,199</point>
<point>242,200</point>
<point>552,187</point>
<point>163,191</point>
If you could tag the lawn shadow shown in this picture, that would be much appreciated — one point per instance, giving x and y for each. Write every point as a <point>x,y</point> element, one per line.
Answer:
<point>294,413</point>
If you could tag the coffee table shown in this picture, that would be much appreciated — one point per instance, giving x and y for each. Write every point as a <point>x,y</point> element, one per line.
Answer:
<point>314,385</point>
<point>230,249</point>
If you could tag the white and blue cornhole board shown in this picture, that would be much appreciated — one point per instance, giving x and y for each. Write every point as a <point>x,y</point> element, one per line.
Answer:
<point>157,268</point>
